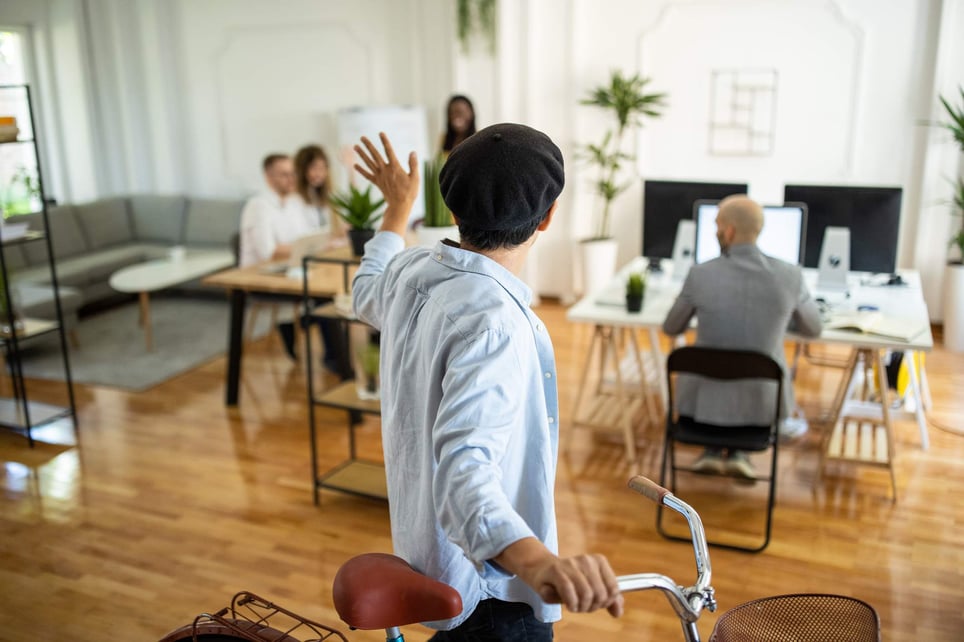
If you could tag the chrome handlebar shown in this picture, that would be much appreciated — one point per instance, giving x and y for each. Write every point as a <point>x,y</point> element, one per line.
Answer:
<point>688,602</point>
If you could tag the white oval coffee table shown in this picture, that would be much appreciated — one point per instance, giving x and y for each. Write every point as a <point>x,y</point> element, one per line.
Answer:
<point>159,274</point>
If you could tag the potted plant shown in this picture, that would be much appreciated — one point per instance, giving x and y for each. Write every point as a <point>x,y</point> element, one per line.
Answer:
<point>438,223</point>
<point>360,211</point>
<point>625,97</point>
<point>635,289</point>
<point>954,272</point>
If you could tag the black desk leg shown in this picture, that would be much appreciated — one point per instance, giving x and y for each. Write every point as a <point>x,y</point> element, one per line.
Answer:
<point>235,346</point>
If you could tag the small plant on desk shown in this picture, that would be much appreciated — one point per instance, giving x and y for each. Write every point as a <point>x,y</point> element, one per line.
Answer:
<point>635,289</point>
<point>361,211</point>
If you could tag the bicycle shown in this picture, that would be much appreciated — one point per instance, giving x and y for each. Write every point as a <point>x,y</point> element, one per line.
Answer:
<point>381,591</point>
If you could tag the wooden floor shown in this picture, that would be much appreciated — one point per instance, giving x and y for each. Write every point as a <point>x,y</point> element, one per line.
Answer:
<point>172,503</point>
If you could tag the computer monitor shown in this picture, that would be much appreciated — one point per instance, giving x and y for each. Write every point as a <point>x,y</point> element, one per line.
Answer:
<point>871,213</point>
<point>666,203</point>
<point>783,231</point>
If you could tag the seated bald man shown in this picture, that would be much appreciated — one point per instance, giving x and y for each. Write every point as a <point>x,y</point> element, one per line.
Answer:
<point>743,300</point>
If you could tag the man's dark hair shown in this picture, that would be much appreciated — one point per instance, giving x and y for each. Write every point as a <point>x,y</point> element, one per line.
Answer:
<point>271,159</point>
<point>499,239</point>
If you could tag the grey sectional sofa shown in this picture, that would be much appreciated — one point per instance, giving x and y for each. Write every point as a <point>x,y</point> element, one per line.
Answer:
<point>93,240</point>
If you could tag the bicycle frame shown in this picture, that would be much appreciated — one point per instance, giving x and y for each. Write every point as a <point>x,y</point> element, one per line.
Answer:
<point>688,602</point>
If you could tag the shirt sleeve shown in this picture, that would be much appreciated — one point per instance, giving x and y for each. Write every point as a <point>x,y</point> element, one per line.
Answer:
<point>367,286</point>
<point>679,316</point>
<point>806,315</point>
<point>481,416</point>
<point>256,232</point>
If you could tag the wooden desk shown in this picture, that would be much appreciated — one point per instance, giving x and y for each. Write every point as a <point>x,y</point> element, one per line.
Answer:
<point>322,280</point>
<point>606,311</point>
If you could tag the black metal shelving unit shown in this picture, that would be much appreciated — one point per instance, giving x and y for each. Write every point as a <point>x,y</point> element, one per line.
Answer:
<point>18,412</point>
<point>354,475</point>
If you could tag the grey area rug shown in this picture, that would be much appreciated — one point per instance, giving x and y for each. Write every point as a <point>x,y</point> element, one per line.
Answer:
<point>187,333</point>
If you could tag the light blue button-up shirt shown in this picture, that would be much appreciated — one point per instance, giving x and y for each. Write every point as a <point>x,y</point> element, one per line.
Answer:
<point>470,414</point>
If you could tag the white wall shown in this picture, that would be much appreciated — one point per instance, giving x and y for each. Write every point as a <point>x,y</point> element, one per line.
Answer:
<point>188,95</point>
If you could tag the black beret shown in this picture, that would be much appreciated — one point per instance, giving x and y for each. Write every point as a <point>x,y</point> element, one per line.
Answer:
<point>502,177</point>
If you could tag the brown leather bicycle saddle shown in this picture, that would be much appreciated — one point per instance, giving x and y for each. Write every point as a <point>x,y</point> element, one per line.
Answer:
<point>380,591</point>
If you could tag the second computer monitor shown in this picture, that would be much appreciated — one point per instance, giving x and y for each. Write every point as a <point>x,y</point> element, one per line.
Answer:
<point>666,203</point>
<point>784,227</point>
<point>871,213</point>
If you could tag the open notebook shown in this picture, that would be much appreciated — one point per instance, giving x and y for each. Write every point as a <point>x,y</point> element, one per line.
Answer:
<point>876,323</point>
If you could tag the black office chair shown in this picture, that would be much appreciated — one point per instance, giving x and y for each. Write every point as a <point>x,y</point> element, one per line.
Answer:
<point>725,365</point>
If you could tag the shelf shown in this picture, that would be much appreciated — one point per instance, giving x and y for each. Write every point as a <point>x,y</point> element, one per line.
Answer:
<point>26,238</point>
<point>343,255</point>
<point>357,477</point>
<point>345,396</point>
<point>11,413</point>
<point>331,311</point>
<point>31,328</point>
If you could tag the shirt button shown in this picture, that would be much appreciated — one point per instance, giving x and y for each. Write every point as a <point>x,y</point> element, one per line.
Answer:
<point>539,327</point>
<point>438,257</point>
<point>548,375</point>
<point>552,420</point>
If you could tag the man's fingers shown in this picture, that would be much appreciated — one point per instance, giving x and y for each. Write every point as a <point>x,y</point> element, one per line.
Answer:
<point>376,156</point>
<point>616,608</point>
<point>364,157</point>
<point>413,165</point>
<point>361,170</point>
<point>389,150</point>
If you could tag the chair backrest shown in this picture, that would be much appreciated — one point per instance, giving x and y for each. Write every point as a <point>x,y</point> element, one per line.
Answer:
<point>717,363</point>
<point>723,364</point>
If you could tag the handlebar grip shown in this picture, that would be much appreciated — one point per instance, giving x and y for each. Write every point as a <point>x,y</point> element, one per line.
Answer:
<point>649,488</point>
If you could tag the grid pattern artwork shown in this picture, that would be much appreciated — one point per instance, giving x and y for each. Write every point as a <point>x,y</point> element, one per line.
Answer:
<point>742,112</point>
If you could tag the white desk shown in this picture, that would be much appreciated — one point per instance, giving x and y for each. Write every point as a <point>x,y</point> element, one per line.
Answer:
<point>611,322</point>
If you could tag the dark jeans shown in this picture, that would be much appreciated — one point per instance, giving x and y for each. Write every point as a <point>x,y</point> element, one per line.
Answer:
<point>498,621</point>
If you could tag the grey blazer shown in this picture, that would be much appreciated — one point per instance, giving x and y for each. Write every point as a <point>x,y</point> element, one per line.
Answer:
<point>744,300</point>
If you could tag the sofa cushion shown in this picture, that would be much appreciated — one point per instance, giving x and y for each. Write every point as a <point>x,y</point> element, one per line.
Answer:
<point>100,264</point>
<point>158,219</point>
<point>14,258</point>
<point>105,222</point>
<point>68,274</point>
<point>38,301</point>
<point>212,222</point>
<point>65,235</point>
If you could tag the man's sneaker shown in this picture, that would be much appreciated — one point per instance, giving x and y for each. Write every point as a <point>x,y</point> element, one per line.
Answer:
<point>711,461</point>
<point>793,428</point>
<point>739,464</point>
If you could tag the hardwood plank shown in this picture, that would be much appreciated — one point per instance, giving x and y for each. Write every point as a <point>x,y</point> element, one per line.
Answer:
<point>172,503</point>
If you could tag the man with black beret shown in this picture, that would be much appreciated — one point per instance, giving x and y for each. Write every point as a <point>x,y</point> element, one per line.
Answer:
<point>470,409</point>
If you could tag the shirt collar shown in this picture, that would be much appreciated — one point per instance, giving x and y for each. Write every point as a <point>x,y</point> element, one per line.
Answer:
<point>466,261</point>
<point>273,198</point>
<point>742,249</point>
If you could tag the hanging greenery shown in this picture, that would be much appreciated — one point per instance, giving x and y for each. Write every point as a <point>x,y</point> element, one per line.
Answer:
<point>476,16</point>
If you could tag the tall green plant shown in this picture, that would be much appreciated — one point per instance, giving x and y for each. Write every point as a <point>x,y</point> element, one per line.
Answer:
<point>625,97</point>
<point>357,208</point>
<point>955,113</point>
<point>436,212</point>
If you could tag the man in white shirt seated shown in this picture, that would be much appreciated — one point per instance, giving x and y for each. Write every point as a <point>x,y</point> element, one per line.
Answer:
<point>272,220</point>
<point>270,223</point>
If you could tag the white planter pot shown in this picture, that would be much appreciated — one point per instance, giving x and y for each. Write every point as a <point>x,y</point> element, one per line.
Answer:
<point>598,264</point>
<point>430,236</point>
<point>954,308</point>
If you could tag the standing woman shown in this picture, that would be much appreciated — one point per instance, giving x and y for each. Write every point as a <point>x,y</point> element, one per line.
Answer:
<point>460,122</point>
<point>313,185</point>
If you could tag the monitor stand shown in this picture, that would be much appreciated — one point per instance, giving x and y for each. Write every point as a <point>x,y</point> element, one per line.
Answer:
<point>655,265</point>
